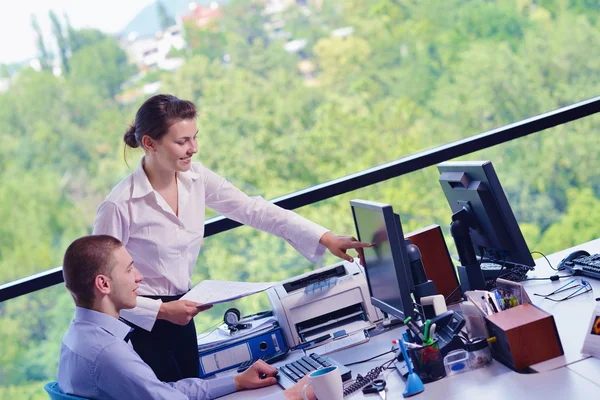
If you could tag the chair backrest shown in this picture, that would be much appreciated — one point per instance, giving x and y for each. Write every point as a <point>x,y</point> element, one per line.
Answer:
<point>55,394</point>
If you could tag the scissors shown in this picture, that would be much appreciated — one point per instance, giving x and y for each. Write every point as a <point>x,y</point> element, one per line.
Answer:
<point>377,386</point>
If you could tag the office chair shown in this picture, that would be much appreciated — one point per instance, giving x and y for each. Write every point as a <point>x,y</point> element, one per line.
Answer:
<point>55,394</point>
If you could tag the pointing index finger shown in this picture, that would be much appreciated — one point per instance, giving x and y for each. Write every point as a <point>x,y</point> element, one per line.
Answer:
<point>356,245</point>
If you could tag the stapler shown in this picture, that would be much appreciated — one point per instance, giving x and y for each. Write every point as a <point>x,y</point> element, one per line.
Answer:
<point>449,324</point>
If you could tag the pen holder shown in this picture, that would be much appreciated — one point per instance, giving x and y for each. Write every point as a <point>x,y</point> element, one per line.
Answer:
<point>428,362</point>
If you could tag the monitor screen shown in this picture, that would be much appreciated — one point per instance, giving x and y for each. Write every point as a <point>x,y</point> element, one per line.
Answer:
<point>386,263</point>
<point>493,229</point>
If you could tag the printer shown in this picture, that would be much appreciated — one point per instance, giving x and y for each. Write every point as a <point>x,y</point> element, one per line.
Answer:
<point>323,301</point>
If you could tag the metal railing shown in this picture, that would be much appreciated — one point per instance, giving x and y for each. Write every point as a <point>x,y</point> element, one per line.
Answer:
<point>362,179</point>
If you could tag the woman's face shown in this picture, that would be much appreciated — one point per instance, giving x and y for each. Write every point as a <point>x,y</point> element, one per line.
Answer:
<point>175,149</point>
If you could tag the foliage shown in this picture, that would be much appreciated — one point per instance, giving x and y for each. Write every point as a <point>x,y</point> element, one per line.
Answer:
<point>272,122</point>
<point>44,55</point>
<point>61,41</point>
<point>103,64</point>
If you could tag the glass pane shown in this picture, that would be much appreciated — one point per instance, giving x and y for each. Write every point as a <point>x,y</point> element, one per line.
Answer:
<point>31,331</point>
<point>549,178</point>
<point>288,92</point>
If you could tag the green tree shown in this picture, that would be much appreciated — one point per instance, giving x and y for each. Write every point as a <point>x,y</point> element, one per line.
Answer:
<point>81,38</point>
<point>45,57</point>
<point>208,41</point>
<point>103,64</point>
<point>61,41</point>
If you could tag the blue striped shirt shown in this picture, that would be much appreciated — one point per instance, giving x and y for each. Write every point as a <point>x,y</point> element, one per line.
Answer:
<point>96,363</point>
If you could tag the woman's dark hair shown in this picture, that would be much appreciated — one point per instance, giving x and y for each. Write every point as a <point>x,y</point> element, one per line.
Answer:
<point>155,117</point>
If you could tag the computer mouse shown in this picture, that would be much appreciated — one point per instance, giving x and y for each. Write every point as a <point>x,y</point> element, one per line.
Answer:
<point>576,254</point>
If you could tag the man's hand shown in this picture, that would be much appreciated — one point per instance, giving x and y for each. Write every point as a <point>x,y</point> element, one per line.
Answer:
<point>180,312</point>
<point>251,378</point>
<point>338,245</point>
<point>295,392</point>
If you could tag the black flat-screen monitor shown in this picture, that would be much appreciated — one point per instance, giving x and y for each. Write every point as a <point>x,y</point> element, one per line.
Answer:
<point>490,232</point>
<point>386,263</point>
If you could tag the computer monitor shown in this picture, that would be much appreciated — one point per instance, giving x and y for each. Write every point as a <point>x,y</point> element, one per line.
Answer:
<point>386,263</point>
<point>483,226</point>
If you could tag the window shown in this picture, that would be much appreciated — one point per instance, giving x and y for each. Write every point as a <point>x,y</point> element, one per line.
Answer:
<point>339,87</point>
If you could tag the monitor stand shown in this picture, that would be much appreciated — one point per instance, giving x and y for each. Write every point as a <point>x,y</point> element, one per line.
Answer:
<point>470,275</point>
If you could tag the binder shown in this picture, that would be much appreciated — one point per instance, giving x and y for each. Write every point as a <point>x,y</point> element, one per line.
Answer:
<point>234,353</point>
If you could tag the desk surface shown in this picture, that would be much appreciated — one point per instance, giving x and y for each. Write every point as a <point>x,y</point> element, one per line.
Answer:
<point>572,316</point>
<point>571,376</point>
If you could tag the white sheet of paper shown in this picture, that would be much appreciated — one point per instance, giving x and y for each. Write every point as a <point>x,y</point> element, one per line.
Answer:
<point>214,292</point>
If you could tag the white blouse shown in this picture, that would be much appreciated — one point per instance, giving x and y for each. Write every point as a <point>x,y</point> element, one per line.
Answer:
<point>164,246</point>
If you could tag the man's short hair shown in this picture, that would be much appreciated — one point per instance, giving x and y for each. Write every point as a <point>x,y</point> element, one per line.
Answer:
<point>85,259</point>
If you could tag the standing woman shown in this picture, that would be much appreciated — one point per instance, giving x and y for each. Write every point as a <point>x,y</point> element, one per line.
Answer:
<point>158,214</point>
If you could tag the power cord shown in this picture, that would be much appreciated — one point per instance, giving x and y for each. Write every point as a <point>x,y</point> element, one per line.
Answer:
<point>369,359</point>
<point>210,328</point>
<point>552,278</point>
<point>452,293</point>
<point>482,250</point>
<point>546,258</point>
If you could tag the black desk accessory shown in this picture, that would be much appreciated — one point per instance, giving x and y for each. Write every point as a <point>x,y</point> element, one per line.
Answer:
<point>449,324</point>
<point>423,287</point>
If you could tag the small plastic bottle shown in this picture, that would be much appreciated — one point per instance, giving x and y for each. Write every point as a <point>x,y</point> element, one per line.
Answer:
<point>479,351</point>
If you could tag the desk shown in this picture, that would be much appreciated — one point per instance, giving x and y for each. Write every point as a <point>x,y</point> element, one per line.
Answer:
<point>571,316</point>
<point>572,376</point>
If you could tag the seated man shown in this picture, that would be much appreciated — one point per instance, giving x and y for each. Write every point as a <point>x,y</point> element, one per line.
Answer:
<point>97,362</point>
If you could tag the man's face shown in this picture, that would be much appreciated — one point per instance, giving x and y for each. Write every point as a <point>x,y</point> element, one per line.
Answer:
<point>124,280</point>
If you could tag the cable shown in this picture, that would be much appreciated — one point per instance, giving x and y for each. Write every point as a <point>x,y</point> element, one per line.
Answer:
<point>552,278</point>
<point>211,328</point>
<point>452,293</point>
<point>546,258</point>
<point>368,359</point>
<point>361,381</point>
<point>482,251</point>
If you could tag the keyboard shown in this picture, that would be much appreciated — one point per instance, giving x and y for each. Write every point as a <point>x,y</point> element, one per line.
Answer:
<point>270,359</point>
<point>586,265</point>
<point>292,372</point>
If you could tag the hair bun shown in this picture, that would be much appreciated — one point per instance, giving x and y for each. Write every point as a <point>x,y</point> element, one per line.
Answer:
<point>129,137</point>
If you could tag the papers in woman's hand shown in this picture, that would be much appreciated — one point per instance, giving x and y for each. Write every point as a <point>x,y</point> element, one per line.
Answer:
<point>214,292</point>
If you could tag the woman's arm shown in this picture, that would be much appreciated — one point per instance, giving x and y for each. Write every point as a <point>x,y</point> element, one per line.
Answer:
<point>307,237</point>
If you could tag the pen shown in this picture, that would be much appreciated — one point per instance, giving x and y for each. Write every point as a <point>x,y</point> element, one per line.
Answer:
<point>494,308</point>
<point>485,307</point>
<point>408,344</point>
<point>411,337</point>
<point>426,331</point>
<point>414,328</point>
<point>432,332</point>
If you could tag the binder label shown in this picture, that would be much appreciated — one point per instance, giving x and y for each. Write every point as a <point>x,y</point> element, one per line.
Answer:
<point>225,358</point>
<point>275,342</point>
